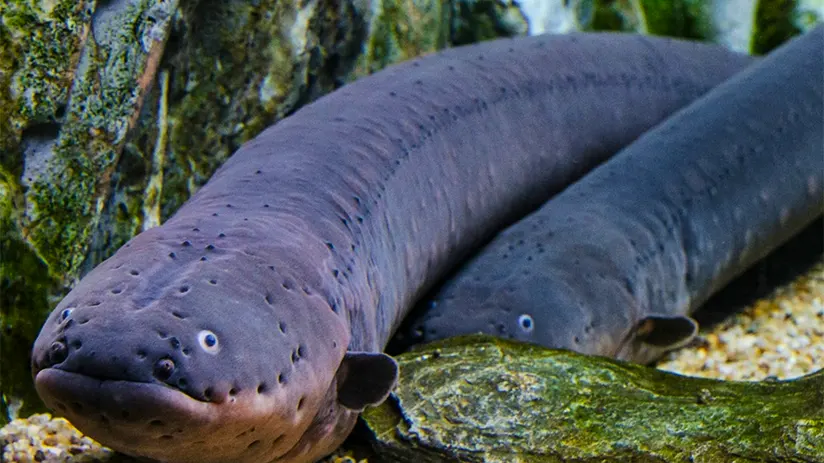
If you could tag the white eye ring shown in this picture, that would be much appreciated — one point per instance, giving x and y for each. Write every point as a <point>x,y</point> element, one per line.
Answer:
<point>526,323</point>
<point>64,314</point>
<point>208,342</point>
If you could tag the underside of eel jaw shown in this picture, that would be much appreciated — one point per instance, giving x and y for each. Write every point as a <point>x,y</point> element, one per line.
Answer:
<point>159,422</point>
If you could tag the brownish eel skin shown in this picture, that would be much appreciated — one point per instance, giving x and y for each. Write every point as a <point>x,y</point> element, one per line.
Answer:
<point>249,327</point>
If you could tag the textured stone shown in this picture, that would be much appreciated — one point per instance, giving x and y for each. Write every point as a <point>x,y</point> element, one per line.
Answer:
<point>478,399</point>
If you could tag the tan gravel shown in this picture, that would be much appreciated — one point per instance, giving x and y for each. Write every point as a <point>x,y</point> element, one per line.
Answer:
<point>42,438</point>
<point>781,336</point>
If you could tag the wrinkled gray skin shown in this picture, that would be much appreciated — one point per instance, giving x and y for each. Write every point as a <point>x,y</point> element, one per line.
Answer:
<point>614,264</point>
<point>249,327</point>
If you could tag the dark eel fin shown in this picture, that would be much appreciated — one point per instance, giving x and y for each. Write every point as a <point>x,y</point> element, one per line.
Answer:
<point>666,331</point>
<point>365,378</point>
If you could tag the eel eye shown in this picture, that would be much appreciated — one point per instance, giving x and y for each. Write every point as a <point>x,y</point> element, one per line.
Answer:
<point>526,323</point>
<point>64,314</point>
<point>208,342</point>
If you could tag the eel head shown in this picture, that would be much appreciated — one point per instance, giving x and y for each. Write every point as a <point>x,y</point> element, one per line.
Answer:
<point>178,351</point>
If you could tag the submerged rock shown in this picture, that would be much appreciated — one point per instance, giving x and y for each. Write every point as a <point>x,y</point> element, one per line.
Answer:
<point>480,399</point>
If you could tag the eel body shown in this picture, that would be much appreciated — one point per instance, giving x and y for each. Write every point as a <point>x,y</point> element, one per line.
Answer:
<point>249,327</point>
<point>615,264</point>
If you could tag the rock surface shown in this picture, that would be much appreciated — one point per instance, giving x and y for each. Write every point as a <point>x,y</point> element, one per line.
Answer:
<point>486,400</point>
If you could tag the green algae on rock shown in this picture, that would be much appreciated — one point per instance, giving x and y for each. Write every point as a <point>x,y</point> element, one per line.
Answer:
<point>478,20</point>
<point>39,47</point>
<point>236,68</point>
<point>679,18</point>
<point>73,83</point>
<point>66,176</point>
<point>480,399</point>
<point>400,30</point>
<point>778,20</point>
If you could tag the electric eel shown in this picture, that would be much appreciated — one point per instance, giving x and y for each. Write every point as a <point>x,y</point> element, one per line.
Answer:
<point>615,264</point>
<point>250,326</point>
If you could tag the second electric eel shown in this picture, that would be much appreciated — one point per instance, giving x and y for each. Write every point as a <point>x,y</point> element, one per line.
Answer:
<point>615,264</point>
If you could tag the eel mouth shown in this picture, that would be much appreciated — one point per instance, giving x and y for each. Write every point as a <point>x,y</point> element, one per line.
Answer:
<point>156,421</point>
<point>121,413</point>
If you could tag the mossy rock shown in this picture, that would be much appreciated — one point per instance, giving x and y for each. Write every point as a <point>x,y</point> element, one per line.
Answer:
<point>481,399</point>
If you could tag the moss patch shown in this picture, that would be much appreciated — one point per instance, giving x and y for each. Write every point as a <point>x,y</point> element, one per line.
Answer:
<point>24,288</point>
<point>39,47</point>
<point>479,20</point>
<point>401,30</point>
<point>779,20</point>
<point>676,18</point>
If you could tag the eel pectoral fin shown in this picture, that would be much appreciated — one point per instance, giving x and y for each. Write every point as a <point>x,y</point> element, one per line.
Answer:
<point>666,331</point>
<point>365,378</point>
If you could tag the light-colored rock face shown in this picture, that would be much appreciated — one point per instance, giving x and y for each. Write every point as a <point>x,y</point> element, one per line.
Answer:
<point>553,16</point>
